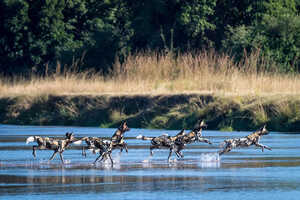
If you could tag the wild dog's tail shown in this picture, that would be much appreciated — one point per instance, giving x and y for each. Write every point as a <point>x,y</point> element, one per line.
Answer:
<point>141,137</point>
<point>78,142</point>
<point>30,139</point>
<point>94,150</point>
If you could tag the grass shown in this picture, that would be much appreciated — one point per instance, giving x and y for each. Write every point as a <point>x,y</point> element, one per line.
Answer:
<point>151,90</point>
<point>151,73</point>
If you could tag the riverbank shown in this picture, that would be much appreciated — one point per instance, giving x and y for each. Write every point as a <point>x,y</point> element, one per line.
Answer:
<point>155,111</point>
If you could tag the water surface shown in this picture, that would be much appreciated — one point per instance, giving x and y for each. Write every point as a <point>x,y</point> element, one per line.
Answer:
<point>244,173</point>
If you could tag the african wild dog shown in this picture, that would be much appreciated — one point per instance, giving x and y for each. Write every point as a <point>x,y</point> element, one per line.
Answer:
<point>176,143</point>
<point>96,144</point>
<point>252,139</point>
<point>57,145</point>
<point>163,141</point>
<point>116,141</point>
<point>193,136</point>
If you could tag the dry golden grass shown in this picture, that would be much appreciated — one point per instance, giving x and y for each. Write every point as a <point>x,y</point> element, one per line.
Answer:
<point>152,73</point>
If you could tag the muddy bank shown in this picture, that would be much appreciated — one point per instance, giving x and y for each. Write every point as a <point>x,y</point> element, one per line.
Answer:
<point>162,111</point>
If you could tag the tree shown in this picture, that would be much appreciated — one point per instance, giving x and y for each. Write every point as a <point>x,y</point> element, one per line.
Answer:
<point>277,35</point>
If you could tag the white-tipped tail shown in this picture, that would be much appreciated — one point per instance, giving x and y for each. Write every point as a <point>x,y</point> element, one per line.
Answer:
<point>30,139</point>
<point>91,150</point>
<point>94,150</point>
<point>78,142</point>
<point>139,137</point>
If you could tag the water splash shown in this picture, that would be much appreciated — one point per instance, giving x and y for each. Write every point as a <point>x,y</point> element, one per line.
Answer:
<point>173,160</point>
<point>148,160</point>
<point>67,162</point>
<point>210,160</point>
<point>117,158</point>
<point>210,157</point>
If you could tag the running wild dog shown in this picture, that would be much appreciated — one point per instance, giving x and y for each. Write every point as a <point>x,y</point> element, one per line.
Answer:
<point>116,141</point>
<point>163,141</point>
<point>57,145</point>
<point>252,139</point>
<point>178,142</point>
<point>195,135</point>
<point>95,145</point>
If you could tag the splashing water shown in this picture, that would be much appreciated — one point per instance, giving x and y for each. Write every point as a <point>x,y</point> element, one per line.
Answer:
<point>148,160</point>
<point>210,160</point>
<point>67,162</point>
<point>210,157</point>
<point>117,158</point>
<point>173,160</point>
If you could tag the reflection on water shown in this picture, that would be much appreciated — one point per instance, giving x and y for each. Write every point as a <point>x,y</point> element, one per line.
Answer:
<point>201,174</point>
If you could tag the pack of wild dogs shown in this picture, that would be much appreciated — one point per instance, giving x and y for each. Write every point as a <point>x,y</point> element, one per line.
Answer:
<point>174,143</point>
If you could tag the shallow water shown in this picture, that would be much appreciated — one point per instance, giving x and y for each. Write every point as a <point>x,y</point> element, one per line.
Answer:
<point>244,173</point>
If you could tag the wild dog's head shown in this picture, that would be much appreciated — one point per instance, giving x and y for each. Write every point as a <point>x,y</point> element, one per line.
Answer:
<point>123,127</point>
<point>198,128</point>
<point>263,131</point>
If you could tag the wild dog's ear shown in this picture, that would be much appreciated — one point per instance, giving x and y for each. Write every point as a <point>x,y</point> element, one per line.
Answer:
<point>264,128</point>
<point>203,124</point>
<point>182,131</point>
<point>69,134</point>
<point>200,124</point>
<point>124,126</point>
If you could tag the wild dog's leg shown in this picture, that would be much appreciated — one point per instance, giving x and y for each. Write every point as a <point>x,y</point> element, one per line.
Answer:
<point>83,151</point>
<point>61,157</point>
<point>104,157</point>
<point>111,160</point>
<point>227,148</point>
<point>178,151</point>
<point>103,154</point>
<point>179,154</point>
<point>204,140</point>
<point>53,155</point>
<point>170,153</point>
<point>98,158</point>
<point>151,149</point>
<point>34,150</point>
<point>125,147</point>
<point>263,146</point>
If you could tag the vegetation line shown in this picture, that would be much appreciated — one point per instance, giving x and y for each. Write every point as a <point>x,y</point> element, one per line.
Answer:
<point>151,90</point>
<point>152,73</point>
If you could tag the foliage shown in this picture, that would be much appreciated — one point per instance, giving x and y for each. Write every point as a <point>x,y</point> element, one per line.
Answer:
<point>276,35</point>
<point>35,35</point>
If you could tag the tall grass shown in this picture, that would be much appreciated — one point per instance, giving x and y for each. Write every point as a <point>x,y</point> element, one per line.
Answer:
<point>154,73</point>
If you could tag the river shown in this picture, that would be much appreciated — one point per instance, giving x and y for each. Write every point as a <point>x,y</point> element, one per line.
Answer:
<point>246,173</point>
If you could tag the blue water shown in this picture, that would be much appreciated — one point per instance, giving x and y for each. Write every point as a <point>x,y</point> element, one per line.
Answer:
<point>243,174</point>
